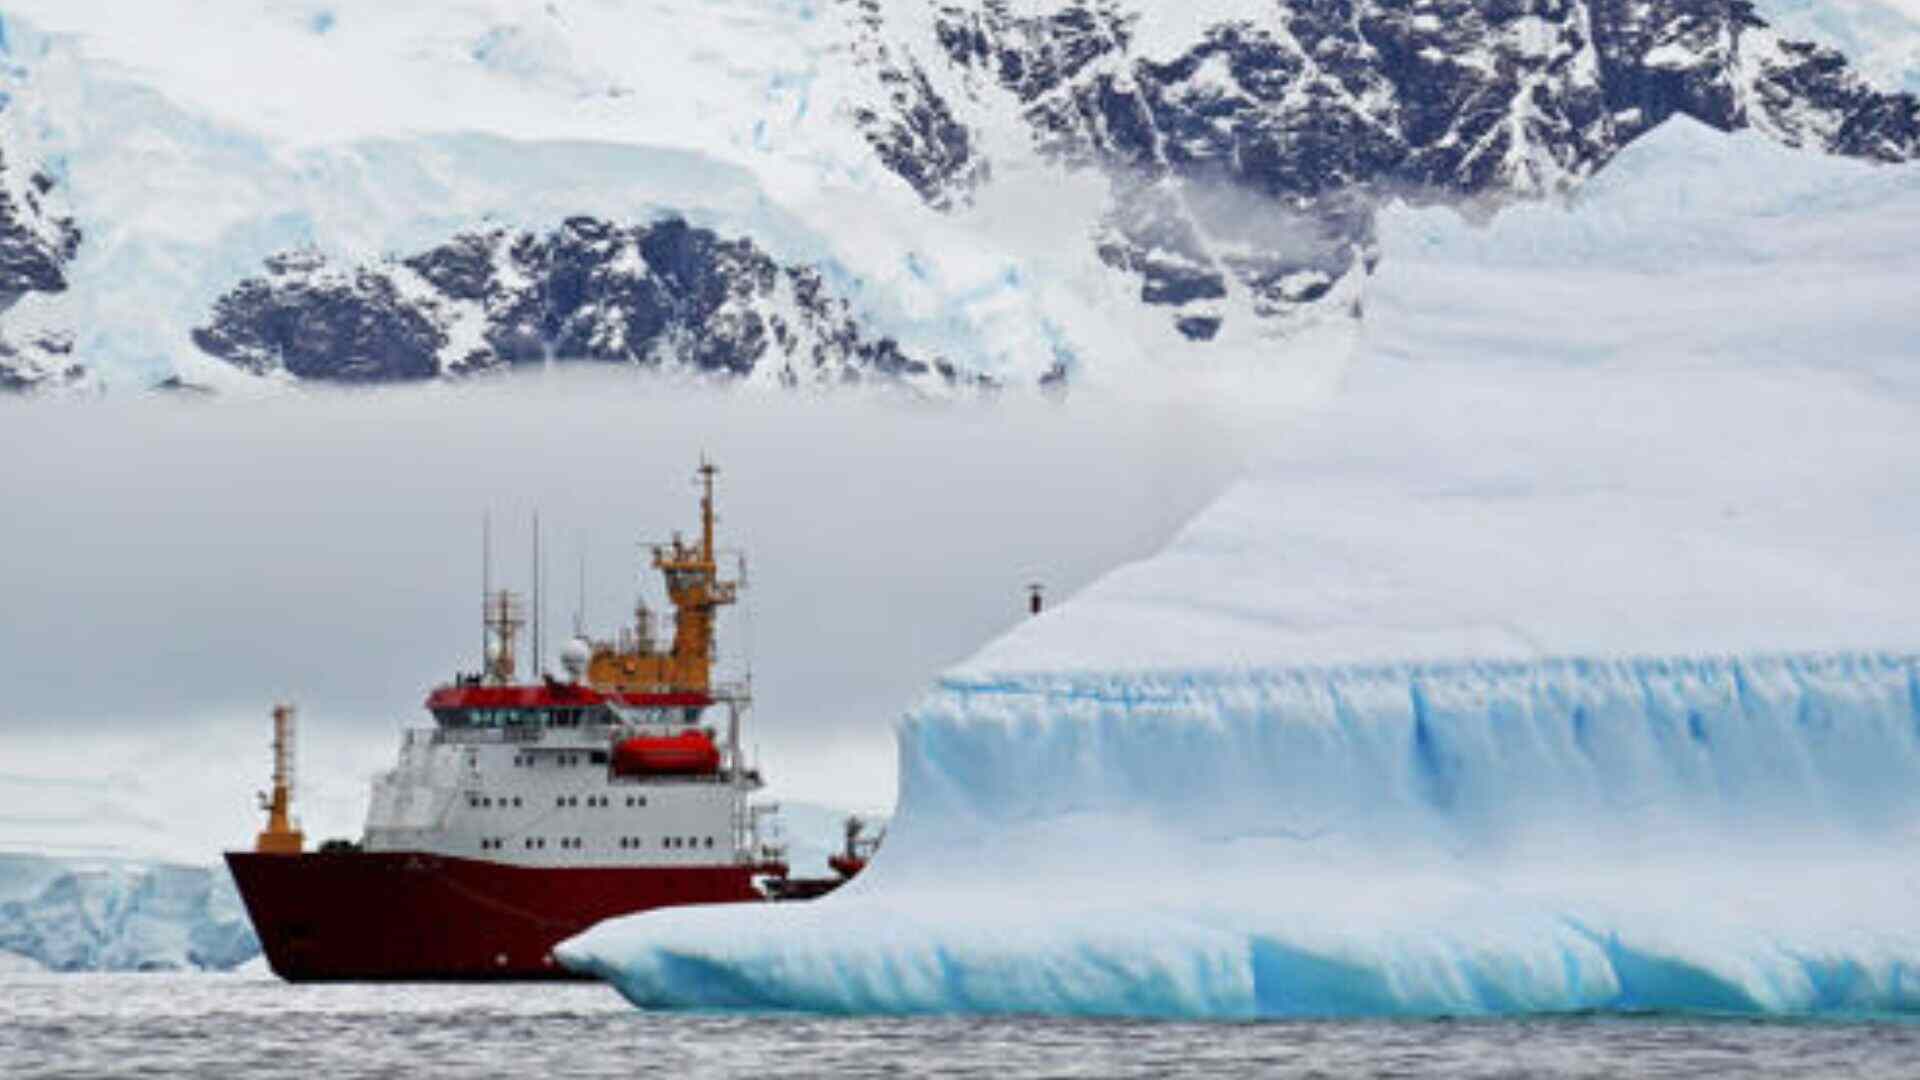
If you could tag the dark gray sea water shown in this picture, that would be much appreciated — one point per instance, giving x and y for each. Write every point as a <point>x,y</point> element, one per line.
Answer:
<point>256,1026</point>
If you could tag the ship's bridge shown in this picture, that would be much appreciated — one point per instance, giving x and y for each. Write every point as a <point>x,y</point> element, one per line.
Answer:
<point>559,705</point>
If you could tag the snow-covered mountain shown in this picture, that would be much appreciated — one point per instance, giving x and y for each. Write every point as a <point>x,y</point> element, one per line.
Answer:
<point>78,915</point>
<point>941,193</point>
<point>1247,144</point>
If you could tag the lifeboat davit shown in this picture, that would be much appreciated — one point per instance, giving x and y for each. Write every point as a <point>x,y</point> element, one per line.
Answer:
<point>690,753</point>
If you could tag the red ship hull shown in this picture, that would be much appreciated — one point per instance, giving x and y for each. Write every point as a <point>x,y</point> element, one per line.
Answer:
<point>398,916</point>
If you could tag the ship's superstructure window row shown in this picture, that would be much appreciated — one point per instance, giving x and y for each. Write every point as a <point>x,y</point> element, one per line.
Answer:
<point>562,717</point>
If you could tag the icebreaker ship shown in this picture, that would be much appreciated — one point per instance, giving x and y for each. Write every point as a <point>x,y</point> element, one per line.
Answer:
<point>1566,663</point>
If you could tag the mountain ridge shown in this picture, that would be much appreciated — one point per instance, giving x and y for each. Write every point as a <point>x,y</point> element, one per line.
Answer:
<point>1240,151</point>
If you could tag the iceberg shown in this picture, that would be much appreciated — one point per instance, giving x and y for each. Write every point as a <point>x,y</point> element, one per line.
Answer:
<point>1722,835</point>
<point>1566,662</point>
<point>113,915</point>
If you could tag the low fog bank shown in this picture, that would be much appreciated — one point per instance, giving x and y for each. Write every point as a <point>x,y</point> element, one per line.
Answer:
<point>173,568</point>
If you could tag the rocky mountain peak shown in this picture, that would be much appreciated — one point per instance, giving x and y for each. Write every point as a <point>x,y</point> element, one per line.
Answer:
<point>1246,152</point>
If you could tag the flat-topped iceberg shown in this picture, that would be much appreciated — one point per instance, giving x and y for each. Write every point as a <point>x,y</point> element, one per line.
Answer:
<point>1487,838</point>
<point>1567,662</point>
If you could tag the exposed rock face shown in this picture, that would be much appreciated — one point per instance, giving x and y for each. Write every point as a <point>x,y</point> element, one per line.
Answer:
<point>667,296</point>
<point>1247,151</point>
<point>37,242</point>
<point>41,360</point>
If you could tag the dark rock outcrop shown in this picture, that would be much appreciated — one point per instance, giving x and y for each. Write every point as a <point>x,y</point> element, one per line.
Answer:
<point>37,242</point>
<point>668,295</point>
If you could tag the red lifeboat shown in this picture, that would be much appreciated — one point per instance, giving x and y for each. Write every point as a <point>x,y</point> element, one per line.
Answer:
<point>690,753</point>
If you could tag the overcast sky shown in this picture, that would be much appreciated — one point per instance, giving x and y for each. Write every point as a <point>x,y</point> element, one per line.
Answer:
<point>173,567</point>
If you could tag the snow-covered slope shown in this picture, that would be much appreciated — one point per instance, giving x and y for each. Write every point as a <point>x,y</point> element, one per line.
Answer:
<point>1880,38</point>
<point>1562,663</point>
<point>1020,192</point>
<point>454,121</point>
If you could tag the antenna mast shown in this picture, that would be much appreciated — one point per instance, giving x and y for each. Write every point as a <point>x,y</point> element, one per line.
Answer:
<point>280,837</point>
<point>486,591</point>
<point>707,471</point>
<point>535,669</point>
<point>580,605</point>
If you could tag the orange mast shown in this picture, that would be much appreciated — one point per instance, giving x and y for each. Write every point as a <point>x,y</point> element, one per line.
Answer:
<point>694,586</point>
<point>280,837</point>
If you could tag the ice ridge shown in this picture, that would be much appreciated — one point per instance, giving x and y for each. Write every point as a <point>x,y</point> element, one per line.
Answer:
<point>1732,834</point>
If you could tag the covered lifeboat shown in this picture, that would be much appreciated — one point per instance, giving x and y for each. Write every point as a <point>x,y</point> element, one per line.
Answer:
<point>689,753</point>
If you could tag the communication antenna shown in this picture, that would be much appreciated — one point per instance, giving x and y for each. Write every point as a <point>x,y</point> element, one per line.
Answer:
<point>746,622</point>
<point>580,605</point>
<point>537,667</point>
<point>486,590</point>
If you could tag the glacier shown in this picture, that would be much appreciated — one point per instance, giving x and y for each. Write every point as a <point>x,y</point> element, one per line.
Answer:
<point>1564,662</point>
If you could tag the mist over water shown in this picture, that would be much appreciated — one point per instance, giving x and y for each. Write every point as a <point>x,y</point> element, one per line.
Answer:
<point>173,567</point>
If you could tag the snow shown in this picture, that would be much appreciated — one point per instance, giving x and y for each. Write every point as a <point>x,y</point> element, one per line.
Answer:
<point>1672,54</point>
<point>1565,661</point>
